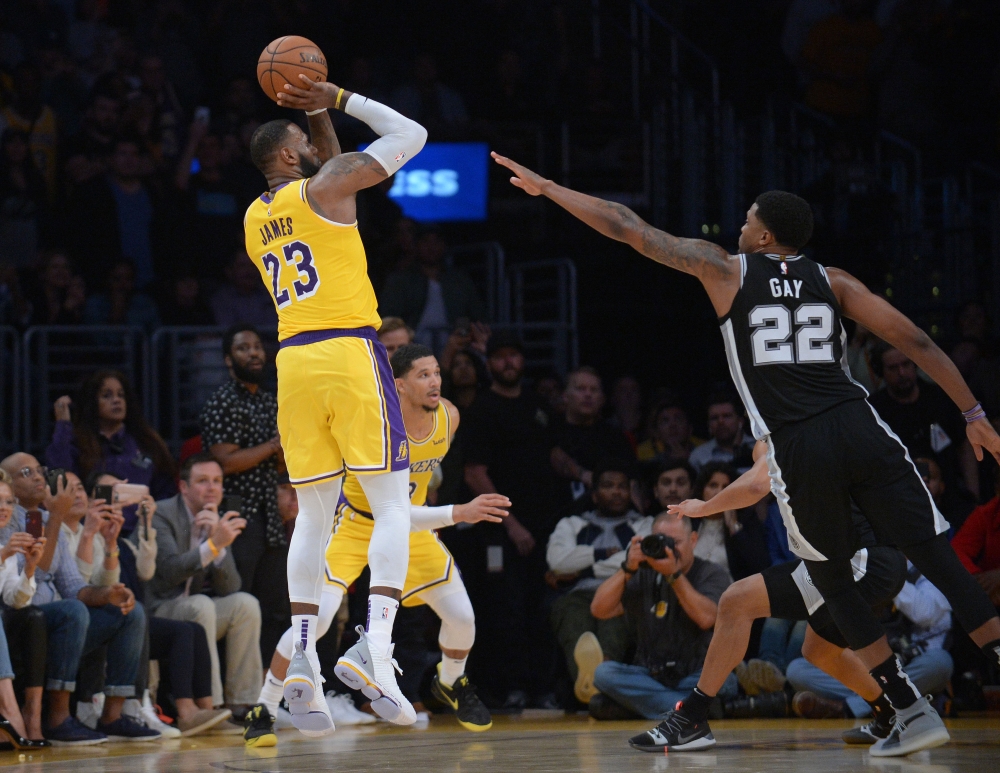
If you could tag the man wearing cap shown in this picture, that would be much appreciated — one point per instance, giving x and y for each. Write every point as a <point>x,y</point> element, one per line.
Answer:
<point>508,441</point>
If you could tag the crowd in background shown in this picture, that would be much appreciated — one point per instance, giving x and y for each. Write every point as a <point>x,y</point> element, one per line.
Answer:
<point>120,206</point>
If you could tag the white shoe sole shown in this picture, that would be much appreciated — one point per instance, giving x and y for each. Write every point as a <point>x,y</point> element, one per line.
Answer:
<point>383,704</point>
<point>588,655</point>
<point>204,726</point>
<point>694,746</point>
<point>299,693</point>
<point>933,738</point>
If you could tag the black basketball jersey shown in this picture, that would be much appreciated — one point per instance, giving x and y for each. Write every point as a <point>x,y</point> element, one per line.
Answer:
<point>785,342</point>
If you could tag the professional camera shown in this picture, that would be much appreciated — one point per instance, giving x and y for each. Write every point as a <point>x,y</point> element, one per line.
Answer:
<point>655,546</point>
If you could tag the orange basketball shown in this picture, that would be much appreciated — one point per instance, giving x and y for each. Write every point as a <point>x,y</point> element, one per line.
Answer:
<point>284,59</point>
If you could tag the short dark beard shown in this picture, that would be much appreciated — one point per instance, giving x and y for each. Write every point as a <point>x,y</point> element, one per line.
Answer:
<point>502,380</point>
<point>247,375</point>
<point>308,167</point>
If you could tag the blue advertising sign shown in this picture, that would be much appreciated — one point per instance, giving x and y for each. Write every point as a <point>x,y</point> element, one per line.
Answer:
<point>446,181</point>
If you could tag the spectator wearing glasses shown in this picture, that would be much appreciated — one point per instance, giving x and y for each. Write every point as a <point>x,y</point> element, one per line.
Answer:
<point>80,618</point>
<point>110,434</point>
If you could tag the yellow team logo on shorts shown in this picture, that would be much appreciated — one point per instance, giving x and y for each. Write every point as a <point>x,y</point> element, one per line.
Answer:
<point>401,456</point>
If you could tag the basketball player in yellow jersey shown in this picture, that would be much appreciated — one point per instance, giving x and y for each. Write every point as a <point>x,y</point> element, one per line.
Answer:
<point>337,406</point>
<point>432,578</point>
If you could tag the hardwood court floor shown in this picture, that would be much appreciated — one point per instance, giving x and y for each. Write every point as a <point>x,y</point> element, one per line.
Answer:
<point>527,744</point>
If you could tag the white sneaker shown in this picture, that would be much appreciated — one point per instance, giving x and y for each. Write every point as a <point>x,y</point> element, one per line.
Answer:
<point>146,715</point>
<point>89,712</point>
<point>916,728</point>
<point>304,696</point>
<point>374,674</point>
<point>344,712</point>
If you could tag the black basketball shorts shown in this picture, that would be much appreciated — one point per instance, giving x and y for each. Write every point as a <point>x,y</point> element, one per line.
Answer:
<point>819,465</point>
<point>879,574</point>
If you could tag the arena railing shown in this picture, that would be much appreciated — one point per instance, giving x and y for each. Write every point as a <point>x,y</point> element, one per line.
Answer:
<point>186,367</point>
<point>10,390</point>
<point>57,358</point>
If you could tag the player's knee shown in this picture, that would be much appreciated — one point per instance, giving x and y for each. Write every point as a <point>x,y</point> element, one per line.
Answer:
<point>742,600</point>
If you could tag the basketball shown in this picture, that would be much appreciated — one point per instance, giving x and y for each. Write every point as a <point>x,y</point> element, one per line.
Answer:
<point>284,59</point>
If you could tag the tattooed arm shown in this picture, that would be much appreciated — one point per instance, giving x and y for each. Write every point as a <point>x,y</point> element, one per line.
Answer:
<point>323,136</point>
<point>705,260</point>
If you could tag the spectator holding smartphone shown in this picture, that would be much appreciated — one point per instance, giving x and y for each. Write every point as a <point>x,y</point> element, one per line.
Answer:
<point>22,635</point>
<point>196,579</point>
<point>91,530</point>
<point>79,618</point>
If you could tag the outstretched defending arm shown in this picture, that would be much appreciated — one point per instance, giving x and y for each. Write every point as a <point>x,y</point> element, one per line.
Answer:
<point>400,139</point>
<point>746,491</point>
<point>892,326</point>
<point>705,260</point>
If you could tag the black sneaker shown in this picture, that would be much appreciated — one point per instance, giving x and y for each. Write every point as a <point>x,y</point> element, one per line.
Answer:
<point>675,733</point>
<point>471,713</point>
<point>259,728</point>
<point>875,730</point>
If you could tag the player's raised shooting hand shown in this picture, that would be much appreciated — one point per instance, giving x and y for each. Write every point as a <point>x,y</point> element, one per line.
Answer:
<point>524,178</point>
<point>982,435</point>
<point>310,95</point>
<point>485,507</point>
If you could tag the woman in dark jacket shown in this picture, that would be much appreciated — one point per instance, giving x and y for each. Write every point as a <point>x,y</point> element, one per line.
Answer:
<point>109,433</point>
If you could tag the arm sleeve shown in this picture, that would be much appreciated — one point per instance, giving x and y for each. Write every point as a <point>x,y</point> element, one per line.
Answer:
<point>62,450</point>
<point>714,583</point>
<point>218,423</point>
<point>400,139</point>
<point>563,555</point>
<point>86,568</point>
<point>970,540</point>
<point>16,588</point>
<point>424,518</point>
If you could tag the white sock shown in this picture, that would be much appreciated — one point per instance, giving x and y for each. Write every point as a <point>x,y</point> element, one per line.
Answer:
<point>271,693</point>
<point>381,616</point>
<point>304,630</point>
<point>452,669</point>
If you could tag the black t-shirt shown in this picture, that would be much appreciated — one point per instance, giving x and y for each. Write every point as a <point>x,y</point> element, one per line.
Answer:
<point>668,642</point>
<point>913,422</point>
<point>589,446</point>
<point>513,438</point>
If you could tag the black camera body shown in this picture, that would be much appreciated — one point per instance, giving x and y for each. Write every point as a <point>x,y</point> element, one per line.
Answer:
<point>655,546</point>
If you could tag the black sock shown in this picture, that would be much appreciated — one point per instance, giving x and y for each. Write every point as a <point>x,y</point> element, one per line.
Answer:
<point>695,706</point>
<point>881,709</point>
<point>992,650</point>
<point>896,686</point>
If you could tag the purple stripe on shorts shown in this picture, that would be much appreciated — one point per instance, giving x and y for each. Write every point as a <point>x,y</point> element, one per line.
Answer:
<point>399,447</point>
<point>315,336</point>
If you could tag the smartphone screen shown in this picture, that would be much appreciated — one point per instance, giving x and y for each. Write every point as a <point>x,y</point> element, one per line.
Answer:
<point>106,493</point>
<point>231,502</point>
<point>33,523</point>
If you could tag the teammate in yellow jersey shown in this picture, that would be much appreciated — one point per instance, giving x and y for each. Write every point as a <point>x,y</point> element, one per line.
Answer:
<point>432,578</point>
<point>337,406</point>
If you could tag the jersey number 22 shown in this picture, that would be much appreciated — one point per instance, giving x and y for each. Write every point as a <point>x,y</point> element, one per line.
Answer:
<point>305,285</point>
<point>773,327</point>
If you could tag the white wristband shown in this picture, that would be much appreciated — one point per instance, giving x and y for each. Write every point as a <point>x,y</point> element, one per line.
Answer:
<point>316,112</point>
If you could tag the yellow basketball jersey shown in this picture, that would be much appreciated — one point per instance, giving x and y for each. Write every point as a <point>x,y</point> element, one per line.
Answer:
<point>314,268</point>
<point>425,457</point>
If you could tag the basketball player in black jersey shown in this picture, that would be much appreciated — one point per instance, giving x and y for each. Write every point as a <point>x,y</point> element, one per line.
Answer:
<point>780,315</point>
<point>783,591</point>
